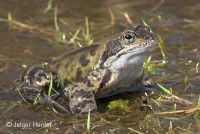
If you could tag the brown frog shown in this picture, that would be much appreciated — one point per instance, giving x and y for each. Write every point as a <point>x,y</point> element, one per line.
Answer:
<point>100,70</point>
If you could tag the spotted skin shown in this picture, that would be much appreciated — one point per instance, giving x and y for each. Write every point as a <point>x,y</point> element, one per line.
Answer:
<point>100,70</point>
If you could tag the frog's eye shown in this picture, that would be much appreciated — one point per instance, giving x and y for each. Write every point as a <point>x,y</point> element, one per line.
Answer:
<point>128,37</point>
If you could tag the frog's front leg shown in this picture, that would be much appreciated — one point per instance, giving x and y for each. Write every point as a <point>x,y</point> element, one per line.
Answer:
<point>81,99</point>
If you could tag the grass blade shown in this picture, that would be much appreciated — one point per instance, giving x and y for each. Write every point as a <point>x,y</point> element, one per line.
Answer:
<point>88,122</point>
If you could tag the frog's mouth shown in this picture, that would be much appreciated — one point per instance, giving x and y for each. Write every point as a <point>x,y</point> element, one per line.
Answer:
<point>135,50</point>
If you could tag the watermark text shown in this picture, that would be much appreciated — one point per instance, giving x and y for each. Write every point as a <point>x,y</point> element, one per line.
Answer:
<point>27,125</point>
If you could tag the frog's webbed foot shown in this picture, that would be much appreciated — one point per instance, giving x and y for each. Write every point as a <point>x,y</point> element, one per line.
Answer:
<point>148,83</point>
<point>149,86</point>
<point>34,94</point>
<point>81,99</point>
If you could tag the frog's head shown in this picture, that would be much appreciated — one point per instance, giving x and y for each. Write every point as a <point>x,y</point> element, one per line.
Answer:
<point>131,47</point>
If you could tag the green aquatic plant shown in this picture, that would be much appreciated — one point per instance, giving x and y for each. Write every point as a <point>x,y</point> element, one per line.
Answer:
<point>161,45</point>
<point>49,6</point>
<point>198,103</point>
<point>87,36</point>
<point>21,95</point>
<point>186,83</point>
<point>88,123</point>
<point>10,19</point>
<point>74,37</point>
<point>37,99</point>
<point>119,104</point>
<point>146,24</point>
<point>50,85</point>
<point>167,91</point>
<point>55,18</point>
<point>158,5</point>
<point>148,66</point>
<point>52,90</point>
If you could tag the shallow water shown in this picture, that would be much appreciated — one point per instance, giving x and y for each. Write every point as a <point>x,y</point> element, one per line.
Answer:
<point>177,21</point>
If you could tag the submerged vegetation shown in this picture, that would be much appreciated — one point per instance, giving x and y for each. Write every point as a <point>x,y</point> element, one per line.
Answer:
<point>58,35</point>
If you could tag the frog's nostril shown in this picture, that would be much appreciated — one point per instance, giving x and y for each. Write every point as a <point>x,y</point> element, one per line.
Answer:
<point>142,28</point>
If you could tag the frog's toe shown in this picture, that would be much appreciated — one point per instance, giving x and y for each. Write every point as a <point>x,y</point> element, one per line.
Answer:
<point>148,83</point>
<point>54,104</point>
<point>81,101</point>
<point>83,106</point>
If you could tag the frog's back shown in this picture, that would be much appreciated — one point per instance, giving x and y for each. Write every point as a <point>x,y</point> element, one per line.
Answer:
<point>74,64</point>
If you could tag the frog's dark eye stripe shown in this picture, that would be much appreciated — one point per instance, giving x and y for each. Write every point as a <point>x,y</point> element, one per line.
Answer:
<point>112,48</point>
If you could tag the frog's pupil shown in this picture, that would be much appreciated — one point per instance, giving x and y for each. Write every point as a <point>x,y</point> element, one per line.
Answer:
<point>128,36</point>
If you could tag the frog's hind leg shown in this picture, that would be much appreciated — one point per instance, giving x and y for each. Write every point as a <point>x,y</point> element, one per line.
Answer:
<point>38,95</point>
<point>81,99</point>
<point>33,87</point>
